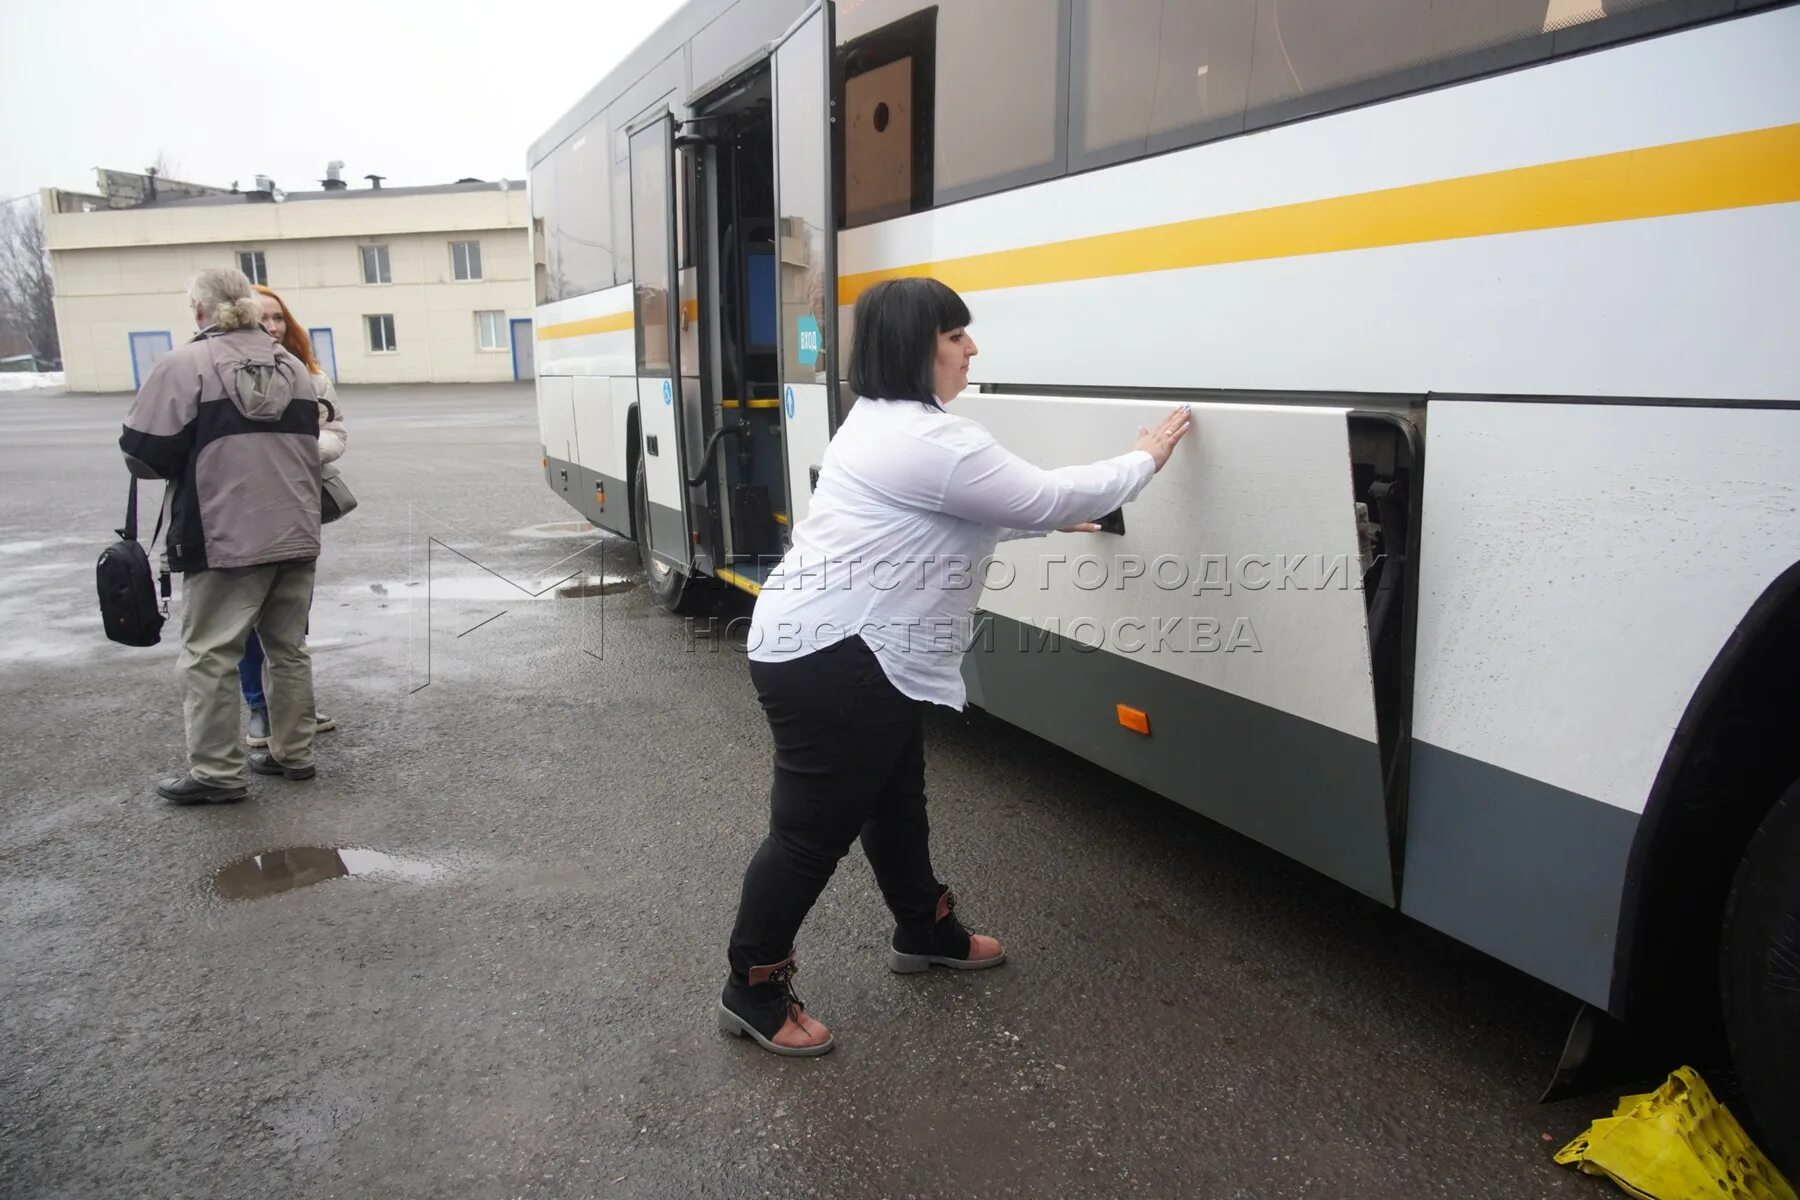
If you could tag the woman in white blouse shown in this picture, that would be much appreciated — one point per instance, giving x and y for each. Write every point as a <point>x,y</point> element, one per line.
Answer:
<point>865,619</point>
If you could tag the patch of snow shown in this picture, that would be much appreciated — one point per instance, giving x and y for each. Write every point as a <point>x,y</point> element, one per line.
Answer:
<point>30,381</point>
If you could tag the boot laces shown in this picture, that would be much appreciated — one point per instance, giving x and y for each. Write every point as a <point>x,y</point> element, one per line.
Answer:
<point>783,976</point>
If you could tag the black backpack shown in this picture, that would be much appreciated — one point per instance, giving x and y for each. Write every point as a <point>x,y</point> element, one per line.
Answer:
<point>128,600</point>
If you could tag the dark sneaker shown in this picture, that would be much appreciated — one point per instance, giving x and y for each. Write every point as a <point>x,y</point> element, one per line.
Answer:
<point>185,789</point>
<point>258,734</point>
<point>263,763</point>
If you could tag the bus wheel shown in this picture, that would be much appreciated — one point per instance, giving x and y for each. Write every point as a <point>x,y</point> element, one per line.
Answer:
<point>672,588</point>
<point>1760,977</point>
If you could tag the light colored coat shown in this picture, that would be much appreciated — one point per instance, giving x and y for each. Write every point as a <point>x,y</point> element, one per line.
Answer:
<point>231,420</point>
<point>334,439</point>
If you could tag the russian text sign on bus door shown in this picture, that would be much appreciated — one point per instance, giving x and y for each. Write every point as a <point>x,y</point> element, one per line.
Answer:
<point>806,248</point>
<point>806,337</point>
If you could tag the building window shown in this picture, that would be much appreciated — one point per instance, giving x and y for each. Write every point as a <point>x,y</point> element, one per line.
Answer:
<point>252,264</point>
<point>375,265</point>
<point>490,330</point>
<point>465,259</point>
<point>381,333</point>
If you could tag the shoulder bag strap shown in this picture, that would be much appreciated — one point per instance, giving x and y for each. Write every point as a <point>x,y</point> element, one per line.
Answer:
<point>162,513</point>
<point>129,532</point>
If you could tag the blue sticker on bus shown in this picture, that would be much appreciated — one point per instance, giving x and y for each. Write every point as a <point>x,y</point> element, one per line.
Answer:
<point>808,341</point>
<point>790,403</point>
<point>668,394</point>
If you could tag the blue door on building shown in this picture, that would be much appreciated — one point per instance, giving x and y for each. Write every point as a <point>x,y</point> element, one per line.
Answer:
<point>524,349</point>
<point>146,348</point>
<point>324,351</point>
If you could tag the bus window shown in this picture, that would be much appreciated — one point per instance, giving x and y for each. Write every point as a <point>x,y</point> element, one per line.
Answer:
<point>1003,62</point>
<point>621,206</point>
<point>1308,47</point>
<point>1147,75</point>
<point>571,195</point>
<point>539,184</point>
<point>1143,68</point>
<point>890,85</point>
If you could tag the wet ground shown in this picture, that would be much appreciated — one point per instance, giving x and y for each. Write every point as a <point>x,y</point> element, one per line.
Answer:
<point>477,956</point>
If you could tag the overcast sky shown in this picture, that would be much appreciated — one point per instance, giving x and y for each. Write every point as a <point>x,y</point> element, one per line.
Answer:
<point>421,91</point>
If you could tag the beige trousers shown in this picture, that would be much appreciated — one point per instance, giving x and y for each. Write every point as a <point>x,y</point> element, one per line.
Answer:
<point>219,608</point>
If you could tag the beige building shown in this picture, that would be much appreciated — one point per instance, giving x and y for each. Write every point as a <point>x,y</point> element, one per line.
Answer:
<point>395,285</point>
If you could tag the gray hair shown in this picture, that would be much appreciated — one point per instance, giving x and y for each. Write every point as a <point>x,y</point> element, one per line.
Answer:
<point>223,294</point>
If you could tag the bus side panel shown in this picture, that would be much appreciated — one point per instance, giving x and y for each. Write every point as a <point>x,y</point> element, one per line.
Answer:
<point>587,335</point>
<point>556,430</point>
<point>1581,567</point>
<point>615,466</point>
<point>1230,612</point>
<point>584,351</point>
<point>604,495</point>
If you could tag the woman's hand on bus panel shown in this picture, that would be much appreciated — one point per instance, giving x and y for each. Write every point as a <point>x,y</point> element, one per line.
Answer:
<point>1160,442</point>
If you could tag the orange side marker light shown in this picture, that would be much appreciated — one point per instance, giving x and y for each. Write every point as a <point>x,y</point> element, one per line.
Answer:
<point>1134,719</point>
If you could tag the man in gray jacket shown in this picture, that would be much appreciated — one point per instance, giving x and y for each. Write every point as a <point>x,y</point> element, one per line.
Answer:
<point>232,422</point>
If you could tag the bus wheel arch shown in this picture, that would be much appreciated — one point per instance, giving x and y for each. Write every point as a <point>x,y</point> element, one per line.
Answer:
<point>1730,761</point>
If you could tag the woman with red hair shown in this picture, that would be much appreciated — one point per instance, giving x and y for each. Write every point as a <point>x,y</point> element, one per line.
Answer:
<point>279,324</point>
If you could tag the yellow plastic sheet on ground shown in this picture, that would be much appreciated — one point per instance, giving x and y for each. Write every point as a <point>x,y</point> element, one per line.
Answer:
<point>1677,1143</point>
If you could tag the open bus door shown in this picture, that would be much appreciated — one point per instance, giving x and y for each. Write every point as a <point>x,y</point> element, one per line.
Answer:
<point>805,250</point>
<point>660,494</point>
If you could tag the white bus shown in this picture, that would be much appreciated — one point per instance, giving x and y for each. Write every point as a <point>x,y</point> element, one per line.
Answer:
<point>1479,590</point>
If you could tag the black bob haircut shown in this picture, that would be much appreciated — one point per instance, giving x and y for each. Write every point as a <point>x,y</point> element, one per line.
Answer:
<point>895,345</point>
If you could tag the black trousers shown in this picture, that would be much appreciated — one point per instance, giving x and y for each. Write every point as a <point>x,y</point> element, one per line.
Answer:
<point>849,763</point>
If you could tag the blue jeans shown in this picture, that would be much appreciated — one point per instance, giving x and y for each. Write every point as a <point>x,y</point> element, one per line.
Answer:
<point>250,672</point>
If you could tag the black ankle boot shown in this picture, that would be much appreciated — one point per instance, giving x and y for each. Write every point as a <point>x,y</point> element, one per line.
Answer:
<point>945,943</point>
<point>760,1004</point>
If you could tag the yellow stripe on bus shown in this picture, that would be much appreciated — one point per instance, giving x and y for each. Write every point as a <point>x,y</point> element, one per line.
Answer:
<point>612,323</point>
<point>1737,170</point>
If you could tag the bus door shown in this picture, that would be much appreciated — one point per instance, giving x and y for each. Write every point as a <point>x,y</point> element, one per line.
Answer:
<point>662,503</point>
<point>805,250</point>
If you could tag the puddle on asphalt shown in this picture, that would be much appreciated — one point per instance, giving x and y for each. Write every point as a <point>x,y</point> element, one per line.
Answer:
<point>483,586</point>
<point>594,586</point>
<point>278,871</point>
<point>560,529</point>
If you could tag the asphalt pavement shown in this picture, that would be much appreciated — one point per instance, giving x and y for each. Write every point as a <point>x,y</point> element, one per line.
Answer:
<point>523,849</point>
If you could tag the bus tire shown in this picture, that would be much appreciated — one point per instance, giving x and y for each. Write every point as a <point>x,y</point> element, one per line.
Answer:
<point>672,587</point>
<point>1760,978</point>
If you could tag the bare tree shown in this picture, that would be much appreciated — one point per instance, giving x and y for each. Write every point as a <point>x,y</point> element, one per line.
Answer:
<point>166,167</point>
<point>27,293</point>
